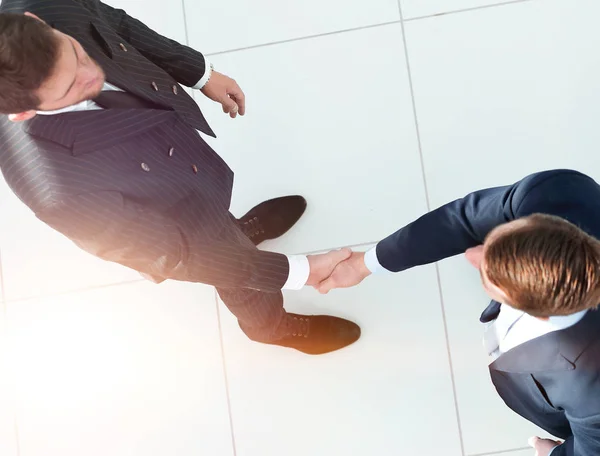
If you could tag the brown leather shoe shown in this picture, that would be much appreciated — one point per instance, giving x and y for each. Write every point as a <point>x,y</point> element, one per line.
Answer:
<point>272,218</point>
<point>316,334</point>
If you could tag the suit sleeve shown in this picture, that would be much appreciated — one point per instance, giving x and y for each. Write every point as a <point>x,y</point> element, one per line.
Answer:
<point>116,229</point>
<point>464,223</point>
<point>447,231</point>
<point>183,63</point>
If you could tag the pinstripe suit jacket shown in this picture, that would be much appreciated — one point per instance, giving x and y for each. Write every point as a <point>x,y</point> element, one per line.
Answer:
<point>137,186</point>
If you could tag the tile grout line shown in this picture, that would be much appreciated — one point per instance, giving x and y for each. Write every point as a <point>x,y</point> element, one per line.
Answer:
<point>428,205</point>
<point>141,280</point>
<point>465,10</point>
<point>187,40</point>
<point>185,27</point>
<point>355,29</point>
<point>450,362</point>
<point>494,453</point>
<point>329,249</point>
<point>226,377</point>
<point>5,315</point>
<point>303,38</point>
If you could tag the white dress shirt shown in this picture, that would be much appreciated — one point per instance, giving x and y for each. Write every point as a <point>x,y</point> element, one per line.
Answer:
<point>514,327</point>
<point>299,266</point>
<point>372,262</point>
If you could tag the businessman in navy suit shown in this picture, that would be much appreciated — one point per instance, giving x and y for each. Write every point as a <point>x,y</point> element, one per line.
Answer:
<point>100,141</point>
<point>536,246</point>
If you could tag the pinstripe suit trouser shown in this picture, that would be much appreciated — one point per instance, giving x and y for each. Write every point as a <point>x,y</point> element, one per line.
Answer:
<point>259,313</point>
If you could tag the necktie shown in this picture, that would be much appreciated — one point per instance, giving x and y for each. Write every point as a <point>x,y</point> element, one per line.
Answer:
<point>115,99</point>
<point>490,313</point>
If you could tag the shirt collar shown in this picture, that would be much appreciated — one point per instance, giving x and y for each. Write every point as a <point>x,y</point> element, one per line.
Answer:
<point>85,105</point>
<point>554,323</point>
<point>564,321</point>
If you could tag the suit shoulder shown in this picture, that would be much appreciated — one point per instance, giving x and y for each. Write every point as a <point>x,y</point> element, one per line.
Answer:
<point>549,191</point>
<point>553,178</point>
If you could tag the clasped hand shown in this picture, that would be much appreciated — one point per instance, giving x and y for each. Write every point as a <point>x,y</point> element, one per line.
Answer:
<point>337,269</point>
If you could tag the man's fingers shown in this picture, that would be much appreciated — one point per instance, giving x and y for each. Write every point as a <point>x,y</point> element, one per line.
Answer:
<point>337,256</point>
<point>326,286</point>
<point>229,106</point>
<point>239,97</point>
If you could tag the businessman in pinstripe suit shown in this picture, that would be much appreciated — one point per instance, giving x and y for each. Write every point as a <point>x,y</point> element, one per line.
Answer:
<point>100,141</point>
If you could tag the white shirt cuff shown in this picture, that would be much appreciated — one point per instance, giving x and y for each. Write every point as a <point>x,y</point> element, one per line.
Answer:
<point>372,262</point>
<point>552,450</point>
<point>299,272</point>
<point>208,69</point>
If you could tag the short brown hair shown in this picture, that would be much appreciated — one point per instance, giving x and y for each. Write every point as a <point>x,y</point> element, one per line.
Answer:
<point>546,266</point>
<point>28,55</point>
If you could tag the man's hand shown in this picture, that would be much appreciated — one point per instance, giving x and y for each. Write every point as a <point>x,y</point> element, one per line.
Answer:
<point>542,446</point>
<point>225,90</point>
<point>474,255</point>
<point>347,274</point>
<point>321,266</point>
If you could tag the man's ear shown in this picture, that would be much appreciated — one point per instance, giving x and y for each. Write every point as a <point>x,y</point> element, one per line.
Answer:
<point>34,16</point>
<point>20,117</point>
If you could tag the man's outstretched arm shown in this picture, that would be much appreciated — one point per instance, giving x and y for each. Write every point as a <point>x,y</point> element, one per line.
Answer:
<point>442,233</point>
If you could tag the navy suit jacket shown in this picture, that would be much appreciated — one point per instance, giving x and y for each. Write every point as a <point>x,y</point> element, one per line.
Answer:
<point>139,187</point>
<point>553,380</point>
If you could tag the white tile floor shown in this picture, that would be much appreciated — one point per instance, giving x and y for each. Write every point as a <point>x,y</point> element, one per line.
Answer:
<point>373,120</point>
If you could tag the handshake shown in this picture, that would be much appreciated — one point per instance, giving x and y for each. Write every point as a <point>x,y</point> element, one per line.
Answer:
<point>337,269</point>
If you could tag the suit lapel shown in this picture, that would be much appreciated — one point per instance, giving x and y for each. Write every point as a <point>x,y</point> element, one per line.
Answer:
<point>102,46</point>
<point>129,70</point>
<point>558,350</point>
<point>90,131</point>
<point>537,355</point>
